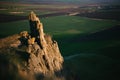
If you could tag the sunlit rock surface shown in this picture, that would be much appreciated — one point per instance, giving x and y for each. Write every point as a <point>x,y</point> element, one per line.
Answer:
<point>31,56</point>
<point>45,56</point>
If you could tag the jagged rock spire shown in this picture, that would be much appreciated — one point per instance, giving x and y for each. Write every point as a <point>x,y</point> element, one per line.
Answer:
<point>36,54</point>
<point>32,16</point>
<point>36,28</point>
<point>45,56</point>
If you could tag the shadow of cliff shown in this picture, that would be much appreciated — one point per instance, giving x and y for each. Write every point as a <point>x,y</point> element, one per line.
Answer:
<point>8,69</point>
<point>107,34</point>
<point>58,75</point>
<point>23,55</point>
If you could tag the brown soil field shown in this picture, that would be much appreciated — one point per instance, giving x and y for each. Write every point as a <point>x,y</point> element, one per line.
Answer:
<point>102,15</point>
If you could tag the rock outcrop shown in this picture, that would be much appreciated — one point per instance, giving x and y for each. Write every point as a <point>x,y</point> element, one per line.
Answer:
<point>44,53</point>
<point>35,54</point>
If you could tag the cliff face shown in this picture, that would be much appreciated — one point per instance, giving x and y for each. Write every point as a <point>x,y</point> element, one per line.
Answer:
<point>34,54</point>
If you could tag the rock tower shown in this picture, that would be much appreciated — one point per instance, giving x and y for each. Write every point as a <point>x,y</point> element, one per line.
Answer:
<point>45,56</point>
<point>33,56</point>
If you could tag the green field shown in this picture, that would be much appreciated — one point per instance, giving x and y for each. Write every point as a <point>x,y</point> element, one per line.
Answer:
<point>60,25</point>
<point>65,29</point>
<point>91,38</point>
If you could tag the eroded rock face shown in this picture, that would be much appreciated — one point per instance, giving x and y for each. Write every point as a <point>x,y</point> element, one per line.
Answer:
<point>45,56</point>
<point>34,54</point>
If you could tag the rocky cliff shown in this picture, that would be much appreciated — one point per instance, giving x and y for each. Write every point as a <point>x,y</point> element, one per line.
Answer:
<point>34,55</point>
<point>44,53</point>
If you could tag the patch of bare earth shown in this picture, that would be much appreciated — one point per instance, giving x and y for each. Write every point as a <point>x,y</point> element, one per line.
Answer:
<point>16,12</point>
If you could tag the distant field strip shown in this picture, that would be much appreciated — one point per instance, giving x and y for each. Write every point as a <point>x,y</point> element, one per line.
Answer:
<point>85,55</point>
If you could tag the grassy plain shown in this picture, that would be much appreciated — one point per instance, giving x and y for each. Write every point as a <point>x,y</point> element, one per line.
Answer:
<point>94,39</point>
<point>66,30</point>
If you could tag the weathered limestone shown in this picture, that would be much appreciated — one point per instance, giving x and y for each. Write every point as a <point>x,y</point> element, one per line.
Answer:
<point>33,56</point>
<point>45,56</point>
<point>36,28</point>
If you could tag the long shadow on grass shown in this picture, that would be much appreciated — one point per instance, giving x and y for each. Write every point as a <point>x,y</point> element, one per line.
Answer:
<point>108,34</point>
<point>109,38</point>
